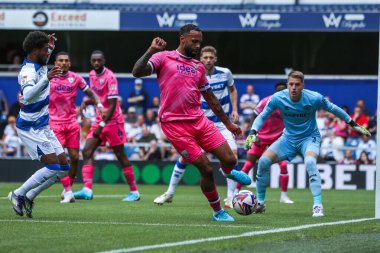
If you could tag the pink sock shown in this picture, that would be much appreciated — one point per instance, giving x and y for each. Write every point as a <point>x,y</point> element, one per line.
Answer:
<point>246,168</point>
<point>66,183</point>
<point>88,173</point>
<point>225,169</point>
<point>72,181</point>
<point>130,177</point>
<point>284,177</point>
<point>213,200</point>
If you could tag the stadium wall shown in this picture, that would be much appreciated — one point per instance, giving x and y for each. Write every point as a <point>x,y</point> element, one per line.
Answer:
<point>343,90</point>
<point>340,177</point>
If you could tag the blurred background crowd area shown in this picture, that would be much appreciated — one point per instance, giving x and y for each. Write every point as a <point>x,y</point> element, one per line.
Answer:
<point>146,141</point>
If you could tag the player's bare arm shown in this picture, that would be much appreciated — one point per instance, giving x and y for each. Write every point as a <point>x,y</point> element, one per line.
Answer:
<point>215,106</point>
<point>95,100</point>
<point>234,98</point>
<point>109,113</point>
<point>142,68</point>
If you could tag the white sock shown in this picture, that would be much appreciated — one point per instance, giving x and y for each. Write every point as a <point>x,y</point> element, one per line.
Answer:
<point>38,178</point>
<point>284,194</point>
<point>52,180</point>
<point>177,175</point>
<point>231,187</point>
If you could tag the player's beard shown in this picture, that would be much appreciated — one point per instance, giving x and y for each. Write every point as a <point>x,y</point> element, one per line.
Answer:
<point>189,52</point>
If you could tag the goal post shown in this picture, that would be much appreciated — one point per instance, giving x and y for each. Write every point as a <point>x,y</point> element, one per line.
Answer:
<point>377,189</point>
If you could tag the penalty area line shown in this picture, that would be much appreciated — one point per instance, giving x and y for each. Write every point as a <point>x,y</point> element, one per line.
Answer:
<point>247,234</point>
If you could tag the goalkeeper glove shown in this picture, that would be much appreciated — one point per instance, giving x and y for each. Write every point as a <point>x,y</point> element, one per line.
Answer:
<point>250,139</point>
<point>359,128</point>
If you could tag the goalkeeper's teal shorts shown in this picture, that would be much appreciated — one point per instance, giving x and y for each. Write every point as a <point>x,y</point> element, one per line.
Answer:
<point>287,150</point>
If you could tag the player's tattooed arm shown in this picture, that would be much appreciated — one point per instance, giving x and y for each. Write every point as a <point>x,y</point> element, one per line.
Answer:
<point>141,67</point>
<point>215,106</point>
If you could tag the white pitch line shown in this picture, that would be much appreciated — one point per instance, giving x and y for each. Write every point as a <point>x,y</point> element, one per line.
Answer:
<point>95,196</point>
<point>126,223</point>
<point>247,234</point>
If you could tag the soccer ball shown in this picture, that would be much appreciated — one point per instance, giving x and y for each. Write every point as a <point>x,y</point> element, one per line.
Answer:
<point>244,202</point>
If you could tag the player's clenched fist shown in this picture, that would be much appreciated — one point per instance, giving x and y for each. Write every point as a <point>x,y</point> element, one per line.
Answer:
<point>157,45</point>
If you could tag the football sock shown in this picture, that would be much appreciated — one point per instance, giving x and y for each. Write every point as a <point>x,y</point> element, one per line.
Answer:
<point>66,182</point>
<point>38,178</point>
<point>35,191</point>
<point>246,168</point>
<point>130,177</point>
<point>284,177</point>
<point>226,170</point>
<point>177,175</point>
<point>262,177</point>
<point>72,180</point>
<point>314,179</point>
<point>213,199</point>
<point>88,173</point>
<point>231,185</point>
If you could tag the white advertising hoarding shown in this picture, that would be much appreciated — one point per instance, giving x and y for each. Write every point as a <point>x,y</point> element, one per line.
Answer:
<point>59,19</point>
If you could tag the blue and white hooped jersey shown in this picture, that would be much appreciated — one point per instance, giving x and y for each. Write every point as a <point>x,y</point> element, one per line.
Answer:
<point>220,81</point>
<point>34,113</point>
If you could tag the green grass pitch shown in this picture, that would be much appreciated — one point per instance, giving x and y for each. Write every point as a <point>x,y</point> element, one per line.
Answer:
<point>106,223</point>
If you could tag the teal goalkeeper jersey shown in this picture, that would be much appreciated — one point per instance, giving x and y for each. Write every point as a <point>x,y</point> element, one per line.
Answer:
<point>299,117</point>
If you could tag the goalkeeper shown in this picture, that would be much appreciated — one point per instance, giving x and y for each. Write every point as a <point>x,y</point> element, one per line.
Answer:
<point>298,108</point>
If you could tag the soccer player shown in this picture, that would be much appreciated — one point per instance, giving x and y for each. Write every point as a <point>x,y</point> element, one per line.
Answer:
<point>298,108</point>
<point>109,128</point>
<point>63,92</point>
<point>33,122</point>
<point>270,132</point>
<point>182,80</point>
<point>222,85</point>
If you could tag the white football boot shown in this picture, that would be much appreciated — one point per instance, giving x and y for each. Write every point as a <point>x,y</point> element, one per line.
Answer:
<point>164,198</point>
<point>317,211</point>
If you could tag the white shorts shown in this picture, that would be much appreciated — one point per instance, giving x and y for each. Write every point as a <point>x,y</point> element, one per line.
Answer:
<point>229,138</point>
<point>40,142</point>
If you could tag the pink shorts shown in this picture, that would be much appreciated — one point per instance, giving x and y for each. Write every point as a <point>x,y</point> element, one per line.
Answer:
<point>67,133</point>
<point>190,137</point>
<point>113,134</point>
<point>258,150</point>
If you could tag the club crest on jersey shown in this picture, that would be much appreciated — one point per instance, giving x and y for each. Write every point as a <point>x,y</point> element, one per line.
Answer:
<point>70,79</point>
<point>101,81</point>
<point>186,70</point>
<point>307,107</point>
<point>195,65</point>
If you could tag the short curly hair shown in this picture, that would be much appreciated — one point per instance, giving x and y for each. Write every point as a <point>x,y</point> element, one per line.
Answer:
<point>35,39</point>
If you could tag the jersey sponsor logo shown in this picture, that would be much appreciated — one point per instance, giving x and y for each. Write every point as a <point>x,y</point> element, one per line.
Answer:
<point>186,70</point>
<point>112,87</point>
<point>297,115</point>
<point>63,88</point>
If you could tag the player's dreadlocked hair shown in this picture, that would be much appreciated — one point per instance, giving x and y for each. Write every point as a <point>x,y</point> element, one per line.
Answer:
<point>187,28</point>
<point>36,39</point>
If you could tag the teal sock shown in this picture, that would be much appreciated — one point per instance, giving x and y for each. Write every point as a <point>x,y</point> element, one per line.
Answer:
<point>314,179</point>
<point>262,178</point>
